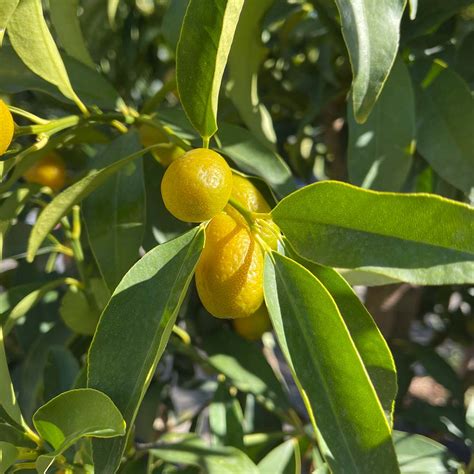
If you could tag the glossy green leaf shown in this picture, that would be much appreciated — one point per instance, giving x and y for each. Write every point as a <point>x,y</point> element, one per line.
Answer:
<point>7,7</point>
<point>60,372</point>
<point>143,308</point>
<point>254,158</point>
<point>172,20</point>
<point>367,338</point>
<point>282,459</point>
<point>417,454</point>
<point>203,47</point>
<point>329,371</point>
<point>243,75</point>
<point>8,455</point>
<point>444,136</point>
<point>371,32</point>
<point>8,401</point>
<point>191,450</point>
<point>115,226</point>
<point>226,419</point>
<point>78,313</point>
<point>65,20</point>
<point>389,234</point>
<point>90,85</point>
<point>380,150</point>
<point>16,437</point>
<point>64,201</point>
<point>31,39</point>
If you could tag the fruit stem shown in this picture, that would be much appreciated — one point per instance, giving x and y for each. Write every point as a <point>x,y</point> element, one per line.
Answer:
<point>205,142</point>
<point>248,216</point>
<point>182,334</point>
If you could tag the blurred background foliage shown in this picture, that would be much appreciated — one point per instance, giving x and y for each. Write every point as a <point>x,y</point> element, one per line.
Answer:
<point>300,83</point>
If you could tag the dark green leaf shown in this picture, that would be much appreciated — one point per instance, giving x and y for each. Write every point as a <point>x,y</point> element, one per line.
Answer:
<point>8,454</point>
<point>115,213</point>
<point>394,235</point>
<point>60,372</point>
<point>380,150</point>
<point>172,21</point>
<point>327,367</point>
<point>444,136</point>
<point>14,436</point>
<point>143,308</point>
<point>204,45</point>
<point>371,32</point>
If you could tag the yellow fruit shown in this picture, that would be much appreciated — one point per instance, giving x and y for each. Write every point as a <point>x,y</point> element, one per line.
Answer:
<point>197,186</point>
<point>7,128</point>
<point>250,198</point>
<point>49,170</point>
<point>229,274</point>
<point>165,152</point>
<point>253,327</point>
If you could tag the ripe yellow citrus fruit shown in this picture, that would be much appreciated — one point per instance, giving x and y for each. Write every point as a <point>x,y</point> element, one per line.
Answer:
<point>7,128</point>
<point>253,327</point>
<point>49,170</point>
<point>197,186</point>
<point>165,152</point>
<point>229,274</point>
<point>246,194</point>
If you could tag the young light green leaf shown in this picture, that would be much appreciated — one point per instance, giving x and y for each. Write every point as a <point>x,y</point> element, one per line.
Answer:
<point>327,367</point>
<point>282,459</point>
<point>367,338</point>
<point>64,201</point>
<point>77,312</point>
<point>371,32</point>
<point>206,38</point>
<point>115,226</point>
<point>112,7</point>
<point>8,401</point>
<point>7,7</point>
<point>8,455</point>
<point>191,450</point>
<point>243,75</point>
<point>380,150</point>
<point>254,158</point>
<point>394,235</point>
<point>31,39</point>
<point>143,308</point>
<point>66,23</point>
<point>446,115</point>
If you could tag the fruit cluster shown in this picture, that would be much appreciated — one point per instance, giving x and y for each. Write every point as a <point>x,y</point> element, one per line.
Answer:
<point>199,186</point>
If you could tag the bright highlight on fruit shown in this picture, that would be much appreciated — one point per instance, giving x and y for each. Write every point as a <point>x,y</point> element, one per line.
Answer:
<point>229,274</point>
<point>7,128</point>
<point>49,171</point>
<point>197,186</point>
<point>253,327</point>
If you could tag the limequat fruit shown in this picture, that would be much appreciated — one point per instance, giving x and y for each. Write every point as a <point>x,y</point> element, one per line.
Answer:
<point>49,170</point>
<point>253,327</point>
<point>7,128</point>
<point>229,274</point>
<point>197,186</point>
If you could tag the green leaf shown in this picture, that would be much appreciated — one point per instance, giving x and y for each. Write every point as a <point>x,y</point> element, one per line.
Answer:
<point>143,308</point>
<point>380,150</point>
<point>78,313</point>
<point>328,369</point>
<point>8,455</point>
<point>112,7</point>
<point>60,372</point>
<point>282,459</point>
<point>413,4</point>
<point>31,39</point>
<point>7,7</point>
<point>367,338</point>
<point>389,234</point>
<point>8,402</point>
<point>115,213</point>
<point>65,20</point>
<point>417,454</point>
<point>190,449</point>
<point>226,419</point>
<point>90,85</point>
<point>203,47</point>
<point>172,20</point>
<point>64,201</point>
<point>254,158</point>
<point>243,75</point>
<point>371,32</point>
<point>16,437</point>
<point>445,118</point>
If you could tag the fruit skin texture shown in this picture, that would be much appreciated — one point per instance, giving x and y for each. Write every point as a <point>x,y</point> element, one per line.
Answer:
<point>49,170</point>
<point>253,327</point>
<point>7,128</point>
<point>229,274</point>
<point>197,186</point>
<point>165,152</point>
